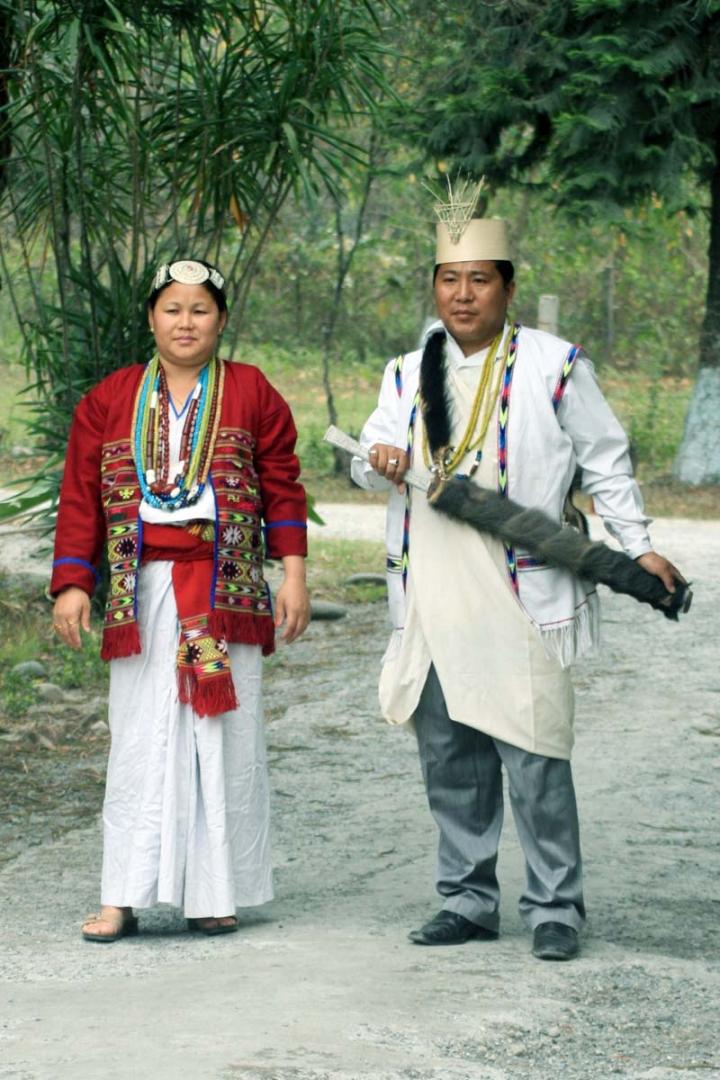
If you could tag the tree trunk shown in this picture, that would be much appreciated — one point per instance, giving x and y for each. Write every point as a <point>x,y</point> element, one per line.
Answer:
<point>698,459</point>
<point>608,276</point>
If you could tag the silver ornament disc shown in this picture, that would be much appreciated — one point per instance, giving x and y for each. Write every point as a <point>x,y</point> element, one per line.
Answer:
<point>189,272</point>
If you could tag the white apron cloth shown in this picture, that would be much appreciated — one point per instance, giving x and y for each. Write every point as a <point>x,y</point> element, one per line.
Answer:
<point>186,812</point>
<point>463,617</point>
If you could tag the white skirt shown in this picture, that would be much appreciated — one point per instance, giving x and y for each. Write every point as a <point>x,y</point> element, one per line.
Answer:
<point>186,813</point>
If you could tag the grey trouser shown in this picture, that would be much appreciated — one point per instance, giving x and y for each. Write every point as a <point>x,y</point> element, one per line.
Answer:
<point>462,769</point>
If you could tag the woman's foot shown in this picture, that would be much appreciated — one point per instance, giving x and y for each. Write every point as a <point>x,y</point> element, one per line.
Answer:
<point>109,924</point>
<point>222,924</point>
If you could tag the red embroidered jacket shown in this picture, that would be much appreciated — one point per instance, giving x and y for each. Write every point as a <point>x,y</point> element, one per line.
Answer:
<point>254,474</point>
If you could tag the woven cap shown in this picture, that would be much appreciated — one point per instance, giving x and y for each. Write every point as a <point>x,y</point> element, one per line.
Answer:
<point>482,238</point>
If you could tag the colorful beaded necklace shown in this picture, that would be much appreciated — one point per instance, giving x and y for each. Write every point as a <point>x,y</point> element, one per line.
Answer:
<point>151,436</point>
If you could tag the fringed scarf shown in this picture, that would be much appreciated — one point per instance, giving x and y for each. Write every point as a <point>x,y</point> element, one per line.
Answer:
<point>204,675</point>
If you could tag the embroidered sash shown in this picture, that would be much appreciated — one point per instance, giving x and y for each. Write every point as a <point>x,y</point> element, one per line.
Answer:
<point>204,675</point>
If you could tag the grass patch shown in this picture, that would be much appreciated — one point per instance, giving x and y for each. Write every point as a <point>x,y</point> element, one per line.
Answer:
<point>26,634</point>
<point>75,670</point>
<point>331,562</point>
<point>652,411</point>
<point>666,497</point>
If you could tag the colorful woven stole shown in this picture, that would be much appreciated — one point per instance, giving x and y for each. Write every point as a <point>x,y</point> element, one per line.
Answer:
<point>204,675</point>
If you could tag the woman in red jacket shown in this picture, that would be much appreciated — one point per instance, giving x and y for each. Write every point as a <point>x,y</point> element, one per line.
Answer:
<point>179,466</point>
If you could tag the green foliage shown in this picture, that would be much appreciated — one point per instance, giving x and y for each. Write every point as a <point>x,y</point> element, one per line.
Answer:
<point>75,669</point>
<point>316,455</point>
<point>298,376</point>
<point>613,100</point>
<point>628,291</point>
<point>651,407</point>
<point>26,634</point>
<point>17,694</point>
<point>134,132</point>
<point>386,297</point>
<point>23,619</point>
<point>12,397</point>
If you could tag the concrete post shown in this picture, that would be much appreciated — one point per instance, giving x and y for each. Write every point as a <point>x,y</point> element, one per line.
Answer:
<point>548,313</point>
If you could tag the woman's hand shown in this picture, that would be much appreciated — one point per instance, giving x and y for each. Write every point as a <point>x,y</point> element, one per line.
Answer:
<point>391,462</point>
<point>72,611</point>
<point>292,603</point>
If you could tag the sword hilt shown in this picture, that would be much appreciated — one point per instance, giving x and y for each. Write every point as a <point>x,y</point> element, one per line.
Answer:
<point>343,441</point>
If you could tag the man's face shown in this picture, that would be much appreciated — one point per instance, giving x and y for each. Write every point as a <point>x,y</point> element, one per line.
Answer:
<point>472,299</point>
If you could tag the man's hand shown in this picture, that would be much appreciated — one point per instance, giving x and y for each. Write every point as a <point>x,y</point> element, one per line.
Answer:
<point>72,611</point>
<point>292,603</point>
<point>390,462</point>
<point>662,568</point>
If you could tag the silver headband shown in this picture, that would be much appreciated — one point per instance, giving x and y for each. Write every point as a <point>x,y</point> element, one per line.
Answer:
<point>187,272</point>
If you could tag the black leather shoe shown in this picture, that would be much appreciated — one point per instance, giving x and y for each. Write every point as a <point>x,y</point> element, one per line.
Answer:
<point>555,941</point>
<point>447,928</point>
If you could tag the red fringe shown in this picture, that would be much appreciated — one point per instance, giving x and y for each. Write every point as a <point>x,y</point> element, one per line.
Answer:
<point>243,628</point>
<point>120,641</point>
<point>209,697</point>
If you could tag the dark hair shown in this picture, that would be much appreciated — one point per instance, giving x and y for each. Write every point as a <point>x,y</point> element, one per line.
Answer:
<point>218,295</point>
<point>504,266</point>
<point>506,269</point>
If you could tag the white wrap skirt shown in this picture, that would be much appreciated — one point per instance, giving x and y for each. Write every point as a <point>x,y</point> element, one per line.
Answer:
<point>186,811</point>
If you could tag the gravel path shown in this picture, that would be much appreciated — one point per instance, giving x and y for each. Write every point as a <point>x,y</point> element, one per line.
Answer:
<point>321,984</point>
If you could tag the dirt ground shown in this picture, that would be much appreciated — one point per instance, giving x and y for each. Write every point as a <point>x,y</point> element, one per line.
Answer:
<point>322,984</point>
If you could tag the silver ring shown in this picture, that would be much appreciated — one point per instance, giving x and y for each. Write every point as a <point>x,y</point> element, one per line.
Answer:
<point>371,452</point>
<point>392,461</point>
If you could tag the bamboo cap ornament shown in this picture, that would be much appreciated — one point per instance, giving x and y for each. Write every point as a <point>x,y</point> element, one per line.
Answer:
<point>462,237</point>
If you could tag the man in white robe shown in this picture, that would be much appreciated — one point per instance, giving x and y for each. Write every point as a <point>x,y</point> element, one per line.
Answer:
<point>483,635</point>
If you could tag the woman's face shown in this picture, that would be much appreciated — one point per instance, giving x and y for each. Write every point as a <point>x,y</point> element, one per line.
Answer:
<point>186,323</point>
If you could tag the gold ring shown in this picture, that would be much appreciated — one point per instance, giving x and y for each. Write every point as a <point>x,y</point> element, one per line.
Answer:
<point>57,626</point>
<point>73,622</point>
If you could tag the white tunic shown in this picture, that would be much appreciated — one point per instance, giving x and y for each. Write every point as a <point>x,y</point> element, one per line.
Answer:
<point>462,615</point>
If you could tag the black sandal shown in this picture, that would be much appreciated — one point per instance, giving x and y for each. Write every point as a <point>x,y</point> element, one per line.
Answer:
<point>213,926</point>
<point>128,927</point>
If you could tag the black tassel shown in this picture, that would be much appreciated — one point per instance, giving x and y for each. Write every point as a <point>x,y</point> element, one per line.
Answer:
<point>436,404</point>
